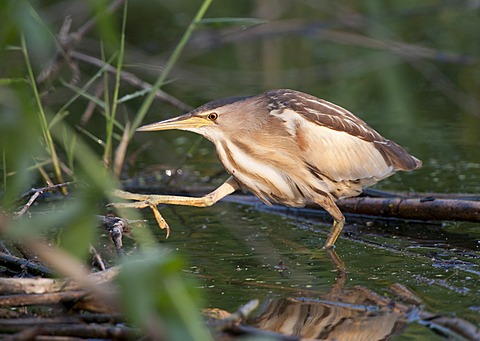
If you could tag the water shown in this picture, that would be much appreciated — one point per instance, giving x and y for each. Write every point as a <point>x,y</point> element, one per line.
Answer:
<point>238,253</point>
<point>427,104</point>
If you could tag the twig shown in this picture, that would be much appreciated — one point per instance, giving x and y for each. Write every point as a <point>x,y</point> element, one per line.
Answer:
<point>103,293</point>
<point>97,258</point>
<point>236,317</point>
<point>71,319</point>
<point>49,285</point>
<point>20,264</point>
<point>49,188</point>
<point>4,248</point>
<point>22,300</point>
<point>87,114</point>
<point>406,295</point>
<point>67,42</point>
<point>120,152</point>
<point>132,80</point>
<point>232,324</point>
<point>455,325</point>
<point>79,331</point>
<point>34,193</point>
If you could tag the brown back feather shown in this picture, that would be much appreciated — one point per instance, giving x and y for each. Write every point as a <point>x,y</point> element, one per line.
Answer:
<point>332,116</point>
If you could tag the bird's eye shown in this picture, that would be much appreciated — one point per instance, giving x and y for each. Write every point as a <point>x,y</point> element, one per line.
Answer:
<point>212,116</point>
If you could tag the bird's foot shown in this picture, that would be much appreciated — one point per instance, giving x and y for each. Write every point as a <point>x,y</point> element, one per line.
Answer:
<point>142,201</point>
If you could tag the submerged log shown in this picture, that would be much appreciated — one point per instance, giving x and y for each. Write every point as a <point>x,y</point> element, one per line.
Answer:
<point>424,208</point>
<point>413,208</point>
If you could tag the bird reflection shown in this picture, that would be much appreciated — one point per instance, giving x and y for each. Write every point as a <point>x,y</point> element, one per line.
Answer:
<point>342,314</point>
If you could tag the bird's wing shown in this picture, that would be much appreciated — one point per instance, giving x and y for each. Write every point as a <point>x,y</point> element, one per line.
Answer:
<point>335,142</point>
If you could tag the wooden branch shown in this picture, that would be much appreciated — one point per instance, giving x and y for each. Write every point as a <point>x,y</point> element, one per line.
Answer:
<point>417,209</point>
<point>79,300</point>
<point>107,332</point>
<point>48,285</point>
<point>21,264</point>
<point>34,193</point>
<point>41,299</point>
<point>70,319</point>
<point>427,209</point>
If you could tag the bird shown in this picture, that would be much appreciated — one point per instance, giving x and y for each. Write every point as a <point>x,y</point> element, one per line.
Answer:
<point>286,147</point>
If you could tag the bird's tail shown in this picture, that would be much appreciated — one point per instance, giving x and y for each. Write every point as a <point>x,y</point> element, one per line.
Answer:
<point>399,157</point>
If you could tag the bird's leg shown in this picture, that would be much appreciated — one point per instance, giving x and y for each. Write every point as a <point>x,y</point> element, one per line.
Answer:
<point>338,219</point>
<point>146,200</point>
<point>337,228</point>
<point>341,277</point>
<point>152,200</point>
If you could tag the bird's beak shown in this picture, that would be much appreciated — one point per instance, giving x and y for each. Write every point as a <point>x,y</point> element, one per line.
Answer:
<point>184,122</point>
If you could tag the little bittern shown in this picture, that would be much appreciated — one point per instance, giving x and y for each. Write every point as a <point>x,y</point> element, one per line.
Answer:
<point>286,147</point>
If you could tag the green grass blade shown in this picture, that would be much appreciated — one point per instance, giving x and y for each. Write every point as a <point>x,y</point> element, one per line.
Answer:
<point>225,22</point>
<point>111,115</point>
<point>42,116</point>
<point>169,66</point>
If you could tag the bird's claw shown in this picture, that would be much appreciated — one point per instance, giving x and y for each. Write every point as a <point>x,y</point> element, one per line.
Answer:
<point>162,223</point>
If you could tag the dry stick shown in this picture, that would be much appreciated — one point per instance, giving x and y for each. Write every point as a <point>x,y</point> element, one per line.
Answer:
<point>23,300</point>
<point>376,193</point>
<point>31,285</point>
<point>132,80</point>
<point>69,266</point>
<point>4,249</point>
<point>28,204</point>
<point>120,152</point>
<point>75,300</point>
<point>236,317</point>
<point>71,319</point>
<point>27,253</point>
<point>421,209</point>
<point>452,324</point>
<point>34,193</point>
<point>97,258</point>
<point>20,264</point>
<point>79,331</point>
<point>36,269</point>
<point>300,26</point>
<point>405,294</point>
<point>427,209</point>
<point>49,285</point>
<point>87,114</point>
<point>231,324</point>
<point>68,42</point>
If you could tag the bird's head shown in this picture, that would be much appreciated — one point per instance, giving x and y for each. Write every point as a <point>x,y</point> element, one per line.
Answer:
<point>223,116</point>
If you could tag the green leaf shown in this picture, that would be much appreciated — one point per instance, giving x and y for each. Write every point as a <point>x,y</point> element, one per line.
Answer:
<point>225,22</point>
<point>9,81</point>
<point>159,299</point>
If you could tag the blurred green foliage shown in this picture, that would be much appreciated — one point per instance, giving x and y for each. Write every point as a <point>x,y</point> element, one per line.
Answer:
<point>155,295</point>
<point>39,146</point>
